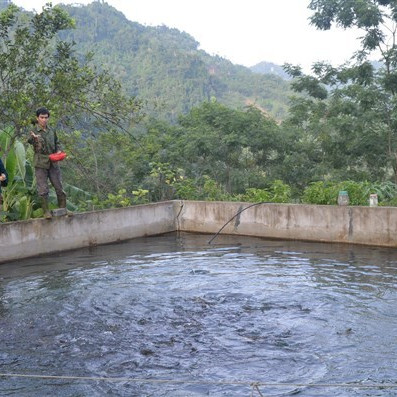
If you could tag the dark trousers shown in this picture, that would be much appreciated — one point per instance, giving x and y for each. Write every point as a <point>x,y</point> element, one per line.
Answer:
<point>54,175</point>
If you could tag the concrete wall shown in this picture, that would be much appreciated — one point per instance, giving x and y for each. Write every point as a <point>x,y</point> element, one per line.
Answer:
<point>357,225</point>
<point>325,223</point>
<point>39,236</point>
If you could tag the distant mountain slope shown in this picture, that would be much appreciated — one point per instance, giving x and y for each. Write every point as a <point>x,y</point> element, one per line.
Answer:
<point>4,4</point>
<point>270,68</point>
<point>164,66</point>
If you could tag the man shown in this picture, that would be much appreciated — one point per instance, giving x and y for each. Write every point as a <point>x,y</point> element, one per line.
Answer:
<point>45,142</point>
<point>3,181</point>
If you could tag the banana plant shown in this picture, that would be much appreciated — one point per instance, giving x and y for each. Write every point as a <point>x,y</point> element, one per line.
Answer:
<point>20,200</point>
<point>18,196</point>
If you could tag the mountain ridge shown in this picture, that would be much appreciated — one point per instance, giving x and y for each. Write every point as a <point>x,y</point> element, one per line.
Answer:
<point>165,67</point>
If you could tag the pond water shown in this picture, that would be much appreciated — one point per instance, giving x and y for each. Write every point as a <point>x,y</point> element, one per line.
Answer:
<point>175,316</point>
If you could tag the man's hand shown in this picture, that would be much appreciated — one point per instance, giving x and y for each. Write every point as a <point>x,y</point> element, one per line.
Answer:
<point>2,177</point>
<point>32,134</point>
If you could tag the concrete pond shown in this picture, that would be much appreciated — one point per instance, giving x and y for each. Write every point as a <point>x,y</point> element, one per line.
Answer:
<point>197,299</point>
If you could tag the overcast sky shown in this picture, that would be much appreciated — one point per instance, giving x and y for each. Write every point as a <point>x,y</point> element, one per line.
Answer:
<point>244,31</point>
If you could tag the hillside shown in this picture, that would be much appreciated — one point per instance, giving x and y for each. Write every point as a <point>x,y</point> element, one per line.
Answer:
<point>164,66</point>
<point>270,68</point>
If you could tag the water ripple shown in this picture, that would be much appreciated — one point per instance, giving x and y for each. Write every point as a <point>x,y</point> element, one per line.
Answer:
<point>173,308</point>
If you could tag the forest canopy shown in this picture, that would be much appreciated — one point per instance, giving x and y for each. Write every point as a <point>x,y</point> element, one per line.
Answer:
<point>146,116</point>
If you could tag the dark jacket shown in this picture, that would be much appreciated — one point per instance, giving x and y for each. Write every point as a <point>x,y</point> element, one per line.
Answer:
<point>46,144</point>
<point>3,171</point>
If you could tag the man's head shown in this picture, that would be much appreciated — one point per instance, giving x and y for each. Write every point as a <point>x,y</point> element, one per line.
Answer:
<point>42,115</point>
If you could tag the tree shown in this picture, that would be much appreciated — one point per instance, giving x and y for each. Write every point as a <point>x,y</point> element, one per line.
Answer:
<point>350,110</point>
<point>233,147</point>
<point>37,68</point>
<point>4,4</point>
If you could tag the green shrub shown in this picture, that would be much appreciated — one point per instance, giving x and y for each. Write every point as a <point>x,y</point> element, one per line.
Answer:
<point>387,192</point>
<point>280,192</point>
<point>277,192</point>
<point>327,192</point>
<point>253,195</point>
<point>320,193</point>
<point>212,191</point>
<point>358,191</point>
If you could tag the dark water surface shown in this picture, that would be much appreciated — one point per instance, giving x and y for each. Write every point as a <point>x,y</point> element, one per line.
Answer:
<point>174,316</point>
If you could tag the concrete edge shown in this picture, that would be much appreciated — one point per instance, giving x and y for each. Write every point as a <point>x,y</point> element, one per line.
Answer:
<point>375,226</point>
